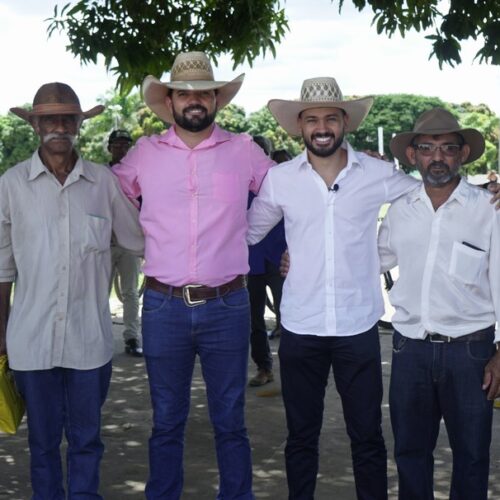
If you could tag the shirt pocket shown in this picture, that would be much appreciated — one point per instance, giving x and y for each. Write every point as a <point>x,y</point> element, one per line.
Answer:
<point>466,264</point>
<point>97,234</point>
<point>226,186</point>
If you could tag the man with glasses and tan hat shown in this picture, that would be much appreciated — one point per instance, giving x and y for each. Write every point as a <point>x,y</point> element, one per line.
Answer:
<point>57,212</point>
<point>194,182</point>
<point>445,237</point>
<point>330,196</point>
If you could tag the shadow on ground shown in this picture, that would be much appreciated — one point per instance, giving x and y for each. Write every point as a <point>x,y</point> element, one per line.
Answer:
<point>126,427</point>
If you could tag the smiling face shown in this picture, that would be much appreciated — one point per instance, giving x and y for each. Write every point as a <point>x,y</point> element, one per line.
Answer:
<point>57,132</point>
<point>193,110</point>
<point>323,130</point>
<point>438,157</point>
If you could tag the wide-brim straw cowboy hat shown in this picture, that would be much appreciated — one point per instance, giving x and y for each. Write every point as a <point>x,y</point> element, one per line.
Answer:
<point>190,71</point>
<point>437,121</point>
<point>56,99</point>
<point>320,92</point>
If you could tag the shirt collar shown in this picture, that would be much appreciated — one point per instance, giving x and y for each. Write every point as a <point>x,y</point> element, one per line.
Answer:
<point>81,169</point>
<point>460,193</point>
<point>217,136</point>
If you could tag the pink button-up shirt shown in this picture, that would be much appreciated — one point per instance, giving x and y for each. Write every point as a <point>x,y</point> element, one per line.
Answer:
<point>194,204</point>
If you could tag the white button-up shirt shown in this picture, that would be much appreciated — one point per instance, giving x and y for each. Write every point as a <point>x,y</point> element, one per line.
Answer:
<point>333,285</point>
<point>449,262</point>
<point>55,246</point>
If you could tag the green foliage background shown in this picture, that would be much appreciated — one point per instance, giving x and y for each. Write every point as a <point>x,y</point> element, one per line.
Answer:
<point>394,112</point>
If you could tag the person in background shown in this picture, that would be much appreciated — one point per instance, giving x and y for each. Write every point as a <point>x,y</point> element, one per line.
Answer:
<point>281,155</point>
<point>264,272</point>
<point>124,263</point>
<point>57,213</point>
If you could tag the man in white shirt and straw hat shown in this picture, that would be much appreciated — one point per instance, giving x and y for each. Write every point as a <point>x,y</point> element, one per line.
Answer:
<point>445,237</point>
<point>194,182</point>
<point>330,196</point>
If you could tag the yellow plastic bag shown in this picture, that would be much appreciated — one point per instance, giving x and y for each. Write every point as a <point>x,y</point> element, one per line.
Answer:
<point>11,403</point>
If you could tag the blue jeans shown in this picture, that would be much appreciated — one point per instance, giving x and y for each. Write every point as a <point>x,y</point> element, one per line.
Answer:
<point>70,400</point>
<point>430,381</point>
<point>257,283</point>
<point>305,365</point>
<point>173,334</point>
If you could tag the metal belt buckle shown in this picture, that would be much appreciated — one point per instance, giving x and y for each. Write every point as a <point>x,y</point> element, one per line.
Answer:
<point>436,341</point>
<point>186,295</point>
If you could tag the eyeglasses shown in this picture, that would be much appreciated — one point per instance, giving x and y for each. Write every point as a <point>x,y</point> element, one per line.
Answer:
<point>426,149</point>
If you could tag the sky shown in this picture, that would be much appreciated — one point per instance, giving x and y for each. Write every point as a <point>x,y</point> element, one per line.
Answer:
<point>319,43</point>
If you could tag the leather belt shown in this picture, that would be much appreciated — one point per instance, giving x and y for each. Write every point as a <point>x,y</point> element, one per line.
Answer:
<point>471,337</point>
<point>195,295</point>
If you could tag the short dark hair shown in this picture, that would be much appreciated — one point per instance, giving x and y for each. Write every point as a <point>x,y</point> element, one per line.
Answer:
<point>119,134</point>
<point>264,143</point>
<point>281,155</point>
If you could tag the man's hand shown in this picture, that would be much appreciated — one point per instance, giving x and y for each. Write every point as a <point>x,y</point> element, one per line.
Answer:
<point>284,263</point>
<point>495,189</point>
<point>491,379</point>
<point>375,154</point>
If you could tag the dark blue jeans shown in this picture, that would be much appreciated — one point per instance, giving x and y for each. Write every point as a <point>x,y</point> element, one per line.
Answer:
<point>430,381</point>
<point>305,364</point>
<point>70,400</point>
<point>257,283</point>
<point>173,334</point>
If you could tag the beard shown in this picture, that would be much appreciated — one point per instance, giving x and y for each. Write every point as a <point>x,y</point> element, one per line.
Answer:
<point>323,152</point>
<point>195,123</point>
<point>443,178</point>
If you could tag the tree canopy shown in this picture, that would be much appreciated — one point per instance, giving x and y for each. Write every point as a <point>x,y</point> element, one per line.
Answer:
<point>454,21</point>
<point>141,38</point>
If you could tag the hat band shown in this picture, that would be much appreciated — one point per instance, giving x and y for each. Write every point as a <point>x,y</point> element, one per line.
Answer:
<point>56,108</point>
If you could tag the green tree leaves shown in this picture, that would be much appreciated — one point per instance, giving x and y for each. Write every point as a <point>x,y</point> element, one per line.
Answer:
<point>454,21</point>
<point>140,38</point>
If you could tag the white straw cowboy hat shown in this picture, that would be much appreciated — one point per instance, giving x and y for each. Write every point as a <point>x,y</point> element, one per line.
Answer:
<point>437,121</point>
<point>320,92</point>
<point>190,71</point>
<point>56,99</point>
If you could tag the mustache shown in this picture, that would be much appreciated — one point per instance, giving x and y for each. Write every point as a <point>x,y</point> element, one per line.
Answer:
<point>54,135</point>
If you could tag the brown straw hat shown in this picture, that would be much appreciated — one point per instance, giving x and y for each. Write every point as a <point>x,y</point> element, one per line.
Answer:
<point>190,71</point>
<point>320,92</point>
<point>56,99</point>
<point>437,121</point>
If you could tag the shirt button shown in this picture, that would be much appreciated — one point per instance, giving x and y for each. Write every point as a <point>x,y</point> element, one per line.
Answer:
<point>63,268</point>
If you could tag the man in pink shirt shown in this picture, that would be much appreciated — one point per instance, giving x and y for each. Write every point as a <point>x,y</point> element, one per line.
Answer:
<point>194,182</point>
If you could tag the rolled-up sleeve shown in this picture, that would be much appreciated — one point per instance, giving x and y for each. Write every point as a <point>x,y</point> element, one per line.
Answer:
<point>8,269</point>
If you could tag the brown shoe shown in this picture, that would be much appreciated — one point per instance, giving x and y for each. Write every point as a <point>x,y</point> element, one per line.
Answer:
<point>263,377</point>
